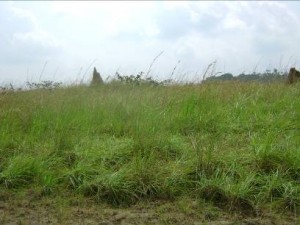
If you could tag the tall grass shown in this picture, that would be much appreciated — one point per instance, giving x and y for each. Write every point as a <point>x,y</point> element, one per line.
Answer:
<point>233,144</point>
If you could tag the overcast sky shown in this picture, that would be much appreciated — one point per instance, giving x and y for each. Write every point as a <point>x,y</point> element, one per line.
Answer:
<point>62,41</point>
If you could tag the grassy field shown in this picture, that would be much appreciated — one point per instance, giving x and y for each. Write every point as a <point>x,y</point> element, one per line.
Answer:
<point>217,153</point>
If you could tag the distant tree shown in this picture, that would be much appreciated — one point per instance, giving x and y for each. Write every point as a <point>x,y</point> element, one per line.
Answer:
<point>226,76</point>
<point>267,76</point>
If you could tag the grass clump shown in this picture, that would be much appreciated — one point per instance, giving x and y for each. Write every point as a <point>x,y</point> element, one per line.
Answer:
<point>19,171</point>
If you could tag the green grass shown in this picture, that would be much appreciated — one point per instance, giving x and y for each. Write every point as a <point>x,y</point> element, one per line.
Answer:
<point>235,145</point>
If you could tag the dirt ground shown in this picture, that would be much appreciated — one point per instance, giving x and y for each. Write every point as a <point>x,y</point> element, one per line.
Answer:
<point>31,209</point>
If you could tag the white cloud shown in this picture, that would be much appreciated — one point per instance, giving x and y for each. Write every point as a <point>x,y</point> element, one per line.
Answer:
<point>130,34</point>
<point>38,37</point>
<point>233,22</point>
<point>24,45</point>
<point>25,16</point>
<point>24,40</point>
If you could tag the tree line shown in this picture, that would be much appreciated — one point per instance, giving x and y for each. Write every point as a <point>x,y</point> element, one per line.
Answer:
<point>267,76</point>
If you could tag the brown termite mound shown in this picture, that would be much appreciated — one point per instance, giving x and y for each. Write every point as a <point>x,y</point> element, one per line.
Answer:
<point>293,76</point>
<point>97,79</point>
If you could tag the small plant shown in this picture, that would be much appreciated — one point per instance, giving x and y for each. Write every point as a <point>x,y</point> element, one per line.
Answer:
<point>49,183</point>
<point>46,84</point>
<point>139,80</point>
<point>7,89</point>
<point>19,171</point>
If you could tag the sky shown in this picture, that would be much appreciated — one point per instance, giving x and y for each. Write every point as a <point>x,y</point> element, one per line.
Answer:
<point>63,40</point>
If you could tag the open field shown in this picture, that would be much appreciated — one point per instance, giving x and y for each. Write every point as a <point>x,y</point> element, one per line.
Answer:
<point>217,153</point>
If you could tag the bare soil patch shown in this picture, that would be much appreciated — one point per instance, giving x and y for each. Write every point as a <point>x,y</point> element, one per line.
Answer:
<point>32,209</point>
